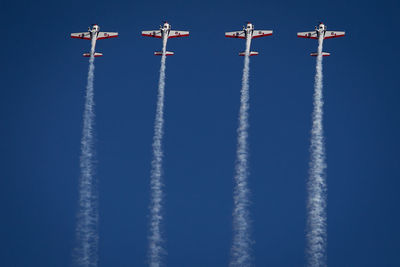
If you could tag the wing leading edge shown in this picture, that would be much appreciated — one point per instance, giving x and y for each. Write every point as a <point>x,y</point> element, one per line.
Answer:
<point>106,35</point>
<point>333,34</point>
<point>309,35</point>
<point>261,33</point>
<point>314,34</point>
<point>174,34</point>
<point>155,33</point>
<point>81,35</point>
<point>236,34</point>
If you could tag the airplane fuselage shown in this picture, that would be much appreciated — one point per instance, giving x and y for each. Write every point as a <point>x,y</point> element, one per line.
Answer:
<point>165,30</point>
<point>94,32</point>
<point>320,30</point>
<point>249,29</point>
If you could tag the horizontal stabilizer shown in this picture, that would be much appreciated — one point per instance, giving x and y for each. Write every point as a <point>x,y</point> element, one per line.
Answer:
<point>324,54</point>
<point>251,53</point>
<point>95,55</point>
<point>167,53</point>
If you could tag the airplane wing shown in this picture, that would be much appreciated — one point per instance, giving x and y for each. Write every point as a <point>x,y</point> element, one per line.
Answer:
<point>81,35</point>
<point>106,35</point>
<point>155,33</point>
<point>173,34</point>
<point>310,35</point>
<point>333,34</point>
<point>258,33</point>
<point>237,34</point>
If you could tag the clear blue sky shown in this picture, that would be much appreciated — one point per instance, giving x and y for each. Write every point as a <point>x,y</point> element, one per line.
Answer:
<point>43,78</point>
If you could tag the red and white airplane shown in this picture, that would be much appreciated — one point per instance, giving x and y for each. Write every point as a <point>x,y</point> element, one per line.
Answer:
<point>94,34</point>
<point>320,31</point>
<point>248,33</point>
<point>165,33</point>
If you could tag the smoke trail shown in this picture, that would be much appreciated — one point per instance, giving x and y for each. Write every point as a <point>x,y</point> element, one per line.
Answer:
<point>86,231</point>
<point>241,223</point>
<point>317,189</point>
<point>155,239</point>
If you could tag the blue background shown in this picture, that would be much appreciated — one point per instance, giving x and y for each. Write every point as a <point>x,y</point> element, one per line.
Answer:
<point>43,77</point>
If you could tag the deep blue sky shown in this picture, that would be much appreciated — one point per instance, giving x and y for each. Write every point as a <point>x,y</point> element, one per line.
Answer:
<point>43,79</point>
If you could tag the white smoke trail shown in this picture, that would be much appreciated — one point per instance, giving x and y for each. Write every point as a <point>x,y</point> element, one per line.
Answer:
<point>86,231</point>
<point>317,189</point>
<point>155,239</point>
<point>241,245</point>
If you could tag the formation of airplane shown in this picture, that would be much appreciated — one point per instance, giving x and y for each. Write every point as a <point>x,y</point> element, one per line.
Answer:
<point>320,32</point>
<point>165,33</point>
<point>94,34</point>
<point>248,33</point>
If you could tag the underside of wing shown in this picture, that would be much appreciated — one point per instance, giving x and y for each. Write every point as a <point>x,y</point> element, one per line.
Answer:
<point>259,33</point>
<point>237,34</point>
<point>310,35</point>
<point>81,35</point>
<point>173,34</point>
<point>333,34</point>
<point>106,35</point>
<point>155,33</point>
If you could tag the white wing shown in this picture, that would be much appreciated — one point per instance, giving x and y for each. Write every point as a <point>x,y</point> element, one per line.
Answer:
<point>258,33</point>
<point>333,34</point>
<point>155,33</point>
<point>237,34</point>
<point>106,35</point>
<point>81,35</point>
<point>310,35</point>
<point>173,34</point>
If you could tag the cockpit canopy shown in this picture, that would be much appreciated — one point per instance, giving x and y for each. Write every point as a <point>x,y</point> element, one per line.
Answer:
<point>95,27</point>
<point>166,26</point>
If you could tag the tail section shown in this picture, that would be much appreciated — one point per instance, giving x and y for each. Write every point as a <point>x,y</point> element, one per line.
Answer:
<point>167,53</point>
<point>251,53</point>
<point>95,55</point>
<point>324,54</point>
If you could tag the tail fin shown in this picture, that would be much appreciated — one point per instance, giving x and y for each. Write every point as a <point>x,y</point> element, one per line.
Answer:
<point>167,53</point>
<point>95,55</point>
<point>324,54</point>
<point>251,53</point>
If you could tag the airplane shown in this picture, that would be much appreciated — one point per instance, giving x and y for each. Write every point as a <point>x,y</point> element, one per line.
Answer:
<point>165,33</point>
<point>320,31</point>
<point>94,34</point>
<point>248,33</point>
